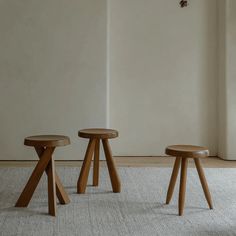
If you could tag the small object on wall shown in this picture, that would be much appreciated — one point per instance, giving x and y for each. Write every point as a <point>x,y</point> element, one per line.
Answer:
<point>183,3</point>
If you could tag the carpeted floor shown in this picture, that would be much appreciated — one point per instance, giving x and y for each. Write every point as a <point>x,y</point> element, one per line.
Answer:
<point>138,210</point>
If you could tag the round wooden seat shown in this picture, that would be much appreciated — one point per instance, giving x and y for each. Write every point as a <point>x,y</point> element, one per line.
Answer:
<point>47,141</point>
<point>98,133</point>
<point>187,151</point>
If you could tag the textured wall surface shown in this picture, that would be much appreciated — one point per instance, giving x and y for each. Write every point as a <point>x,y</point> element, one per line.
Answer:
<point>52,72</point>
<point>147,68</point>
<point>227,80</point>
<point>163,74</point>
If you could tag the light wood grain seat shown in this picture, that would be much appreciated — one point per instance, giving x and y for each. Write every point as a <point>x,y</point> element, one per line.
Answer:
<point>94,136</point>
<point>98,133</point>
<point>188,151</point>
<point>45,146</point>
<point>182,154</point>
<point>47,141</point>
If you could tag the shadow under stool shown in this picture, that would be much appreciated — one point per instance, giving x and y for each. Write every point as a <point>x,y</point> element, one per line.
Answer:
<point>182,154</point>
<point>44,146</point>
<point>95,136</point>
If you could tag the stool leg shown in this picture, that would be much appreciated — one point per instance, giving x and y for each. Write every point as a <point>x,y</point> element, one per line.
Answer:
<point>203,182</point>
<point>51,188</point>
<point>83,178</point>
<point>182,187</point>
<point>96,163</point>
<point>115,181</point>
<point>60,191</point>
<point>33,181</point>
<point>173,178</point>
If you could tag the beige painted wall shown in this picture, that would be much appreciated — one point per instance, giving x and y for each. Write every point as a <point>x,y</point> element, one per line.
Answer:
<point>227,80</point>
<point>56,65</point>
<point>52,72</point>
<point>222,108</point>
<point>231,78</point>
<point>163,75</point>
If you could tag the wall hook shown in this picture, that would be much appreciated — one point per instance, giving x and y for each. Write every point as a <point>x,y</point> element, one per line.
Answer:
<point>183,3</point>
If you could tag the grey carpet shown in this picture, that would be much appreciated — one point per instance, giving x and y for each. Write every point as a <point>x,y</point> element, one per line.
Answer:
<point>138,210</point>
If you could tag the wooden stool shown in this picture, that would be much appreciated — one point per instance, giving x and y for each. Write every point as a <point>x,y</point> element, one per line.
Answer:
<point>182,153</point>
<point>45,146</point>
<point>94,136</point>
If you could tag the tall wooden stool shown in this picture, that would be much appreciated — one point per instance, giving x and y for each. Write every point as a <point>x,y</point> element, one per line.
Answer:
<point>94,136</point>
<point>45,146</point>
<point>182,153</point>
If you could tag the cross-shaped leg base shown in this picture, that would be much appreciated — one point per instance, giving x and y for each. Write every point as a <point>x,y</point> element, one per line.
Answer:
<point>45,163</point>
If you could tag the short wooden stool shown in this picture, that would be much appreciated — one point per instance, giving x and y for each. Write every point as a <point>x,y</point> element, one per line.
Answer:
<point>182,153</point>
<point>94,136</point>
<point>45,146</point>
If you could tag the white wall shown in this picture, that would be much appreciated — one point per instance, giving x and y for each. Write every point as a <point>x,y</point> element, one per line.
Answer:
<point>222,108</point>
<point>160,63</point>
<point>227,79</point>
<point>163,75</point>
<point>52,72</point>
<point>231,78</point>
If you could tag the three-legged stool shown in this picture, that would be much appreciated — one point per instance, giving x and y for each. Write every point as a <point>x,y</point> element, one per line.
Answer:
<point>94,136</point>
<point>182,153</point>
<point>45,146</point>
